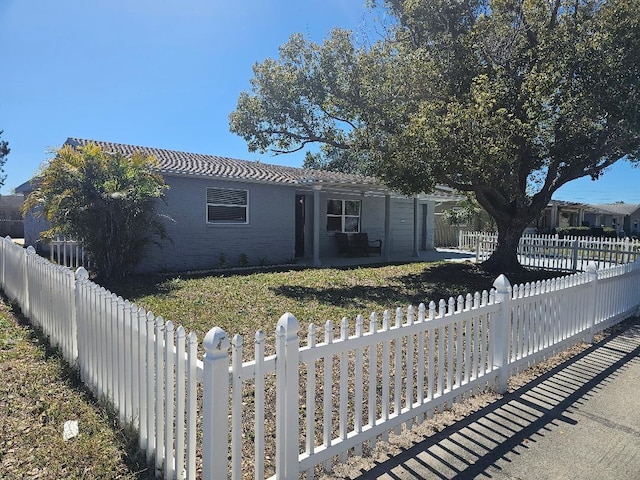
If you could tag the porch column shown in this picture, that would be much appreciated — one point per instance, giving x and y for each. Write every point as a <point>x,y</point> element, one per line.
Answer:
<point>416,253</point>
<point>316,226</point>
<point>554,216</point>
<point>387,226</point>
<point>580,217</point>
<point>430,227</point>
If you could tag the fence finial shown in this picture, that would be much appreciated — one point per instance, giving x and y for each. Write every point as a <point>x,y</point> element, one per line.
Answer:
<point>591,268</point>
<point>501,284</point>
<point>290,324</point>
<point>82,274</point>
<point>31,251</point>
<point>216,341</point>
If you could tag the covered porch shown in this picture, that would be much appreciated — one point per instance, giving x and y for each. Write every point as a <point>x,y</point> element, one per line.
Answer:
<point>404,225</point>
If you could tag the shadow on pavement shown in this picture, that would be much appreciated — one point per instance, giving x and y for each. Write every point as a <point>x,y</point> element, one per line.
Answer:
<point>472,447</point>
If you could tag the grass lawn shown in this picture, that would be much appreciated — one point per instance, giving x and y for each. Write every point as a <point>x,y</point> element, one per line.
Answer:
<point>244,303</point>
<point>38,394</point>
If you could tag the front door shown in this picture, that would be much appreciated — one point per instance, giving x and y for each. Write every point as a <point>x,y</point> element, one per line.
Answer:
<point>300,226</point>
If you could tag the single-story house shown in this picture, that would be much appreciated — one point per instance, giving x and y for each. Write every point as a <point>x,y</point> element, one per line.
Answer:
<point>624,218</point>
<point>560,214</point>
<point>236,211</point>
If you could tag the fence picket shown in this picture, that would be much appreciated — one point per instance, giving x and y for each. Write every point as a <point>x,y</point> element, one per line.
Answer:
<point>327,387</point>
<point>236,407</point>
<point>373,372</point>
<point>310,400</point>
<point>181,401</point>
<point>358,383</point>
<point>192,397</point>
<point>343,402</point>
<point>169,399</point>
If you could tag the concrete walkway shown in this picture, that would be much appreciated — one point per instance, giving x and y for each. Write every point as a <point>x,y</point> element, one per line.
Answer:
<point>579,421</point>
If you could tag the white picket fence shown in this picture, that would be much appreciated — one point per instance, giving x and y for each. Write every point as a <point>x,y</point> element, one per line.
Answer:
<point>67,252</point>
<point>550,252</point>
<point>344,386</point>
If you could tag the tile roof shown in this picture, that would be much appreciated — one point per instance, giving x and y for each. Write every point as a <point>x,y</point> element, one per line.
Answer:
<point>198,164</point>
<point>204,165</point>
<point>616,208</point>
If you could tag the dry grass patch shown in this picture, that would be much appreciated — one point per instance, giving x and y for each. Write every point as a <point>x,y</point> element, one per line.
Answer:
<point>38,393</point>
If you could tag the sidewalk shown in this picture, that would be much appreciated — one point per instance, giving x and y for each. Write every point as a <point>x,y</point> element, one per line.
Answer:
<point>579,421</point>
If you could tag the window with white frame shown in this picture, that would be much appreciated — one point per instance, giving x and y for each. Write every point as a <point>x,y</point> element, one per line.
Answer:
<point>343,216</point>
<point>225,205</point>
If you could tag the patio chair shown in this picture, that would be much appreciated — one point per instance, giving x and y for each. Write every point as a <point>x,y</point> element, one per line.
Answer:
<point>360,244</point>
<point>343,244</point>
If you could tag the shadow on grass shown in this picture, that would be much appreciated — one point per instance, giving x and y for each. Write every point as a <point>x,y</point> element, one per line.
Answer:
<point>433,283</point>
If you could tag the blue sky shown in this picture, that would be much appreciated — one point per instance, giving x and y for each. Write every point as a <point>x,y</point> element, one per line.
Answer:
<point>164,73</point>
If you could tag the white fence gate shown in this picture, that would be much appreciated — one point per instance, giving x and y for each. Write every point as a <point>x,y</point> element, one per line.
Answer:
<point>347,384</point>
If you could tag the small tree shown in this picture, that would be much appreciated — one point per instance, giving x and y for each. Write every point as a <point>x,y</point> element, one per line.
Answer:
<point>106,200</point>
<point>4,151</point>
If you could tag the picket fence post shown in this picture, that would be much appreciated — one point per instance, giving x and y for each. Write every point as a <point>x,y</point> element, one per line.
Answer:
<point>574,255</point>
<point>3,260</point>
<point>592,272</point>
<point>215,404</point>
<point>81,276</point>
<point>26,308</point>
<point>500,325</point>
<point>287,409</point>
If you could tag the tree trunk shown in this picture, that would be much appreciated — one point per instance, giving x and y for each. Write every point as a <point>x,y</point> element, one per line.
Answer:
<point>505,257</point>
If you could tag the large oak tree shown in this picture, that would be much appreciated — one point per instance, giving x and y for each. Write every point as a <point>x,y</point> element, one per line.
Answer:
<point>505,99</point>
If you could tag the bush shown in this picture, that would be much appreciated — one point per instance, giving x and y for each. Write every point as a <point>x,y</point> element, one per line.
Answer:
<point>574,232</point>
<point>605,232</point>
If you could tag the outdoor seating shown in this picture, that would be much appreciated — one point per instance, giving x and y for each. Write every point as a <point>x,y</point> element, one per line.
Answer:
<point>342,239</point>
<point>371,246</point>
<point>357,244</point>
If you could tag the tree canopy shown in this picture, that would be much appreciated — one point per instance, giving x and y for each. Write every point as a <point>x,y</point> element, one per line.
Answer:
<point>105,200</point>
<point>505,99</point>
<point>4,151</point>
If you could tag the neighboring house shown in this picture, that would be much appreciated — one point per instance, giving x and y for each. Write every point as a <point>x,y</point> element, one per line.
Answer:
<point>223,208</point>
<point>560,214</point>
<point>624,218</point>
<point>11,216</point>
